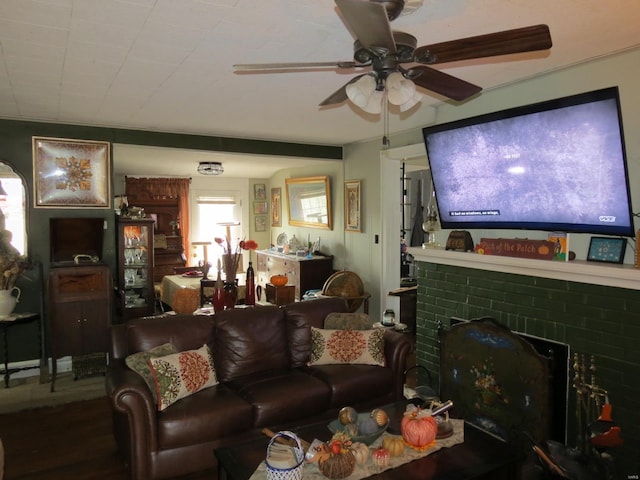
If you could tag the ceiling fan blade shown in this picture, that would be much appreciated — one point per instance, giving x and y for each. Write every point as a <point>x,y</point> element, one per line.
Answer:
<point>369,23</point>
<point>526,39</point>
<point>340,95</point>
<point>443,83</point>
<point>246,67</point>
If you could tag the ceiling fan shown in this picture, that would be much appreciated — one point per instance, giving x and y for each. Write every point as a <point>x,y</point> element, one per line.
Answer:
<point>386,51</point>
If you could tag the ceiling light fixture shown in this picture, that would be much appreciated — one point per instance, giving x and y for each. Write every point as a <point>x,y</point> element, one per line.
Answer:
<point>210,168</point>
<point>367,92</point>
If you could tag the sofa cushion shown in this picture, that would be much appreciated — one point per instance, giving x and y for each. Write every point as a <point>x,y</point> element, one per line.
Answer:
<point>365,347</point>
<point>281,396</point>
<point>182,374</point>
<point>250,340</point>
<point>139,363</point>
<point>211,414</point>
<point>300,317</point>
<point>185,332</point>
<point>354,384</point>
<point>348,321</point>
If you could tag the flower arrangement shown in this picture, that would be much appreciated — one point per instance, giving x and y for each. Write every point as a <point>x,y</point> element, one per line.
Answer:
<point>12,264</point>
<point>230,257</point>
<point>248,245</point>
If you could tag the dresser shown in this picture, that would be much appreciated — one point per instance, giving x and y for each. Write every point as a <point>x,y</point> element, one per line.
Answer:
<point>303,273</point>
<point>80,302</point>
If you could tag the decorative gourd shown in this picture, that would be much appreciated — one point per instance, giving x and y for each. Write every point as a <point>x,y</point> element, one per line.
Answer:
<point>394,445</point>
<point>367,426</point>
<point>339,465</point>
<point>380,416</point>
<point>418,427</point>
<point>361,452</point>
<point>380,457</point>
<point>278,280</point>
<point>347,415</point>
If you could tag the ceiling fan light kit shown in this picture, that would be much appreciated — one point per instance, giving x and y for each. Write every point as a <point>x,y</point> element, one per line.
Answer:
<point>384,51</point>
<point>210,168</point>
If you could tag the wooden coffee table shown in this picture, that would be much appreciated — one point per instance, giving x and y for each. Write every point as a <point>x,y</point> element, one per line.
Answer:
<point>481,456</point>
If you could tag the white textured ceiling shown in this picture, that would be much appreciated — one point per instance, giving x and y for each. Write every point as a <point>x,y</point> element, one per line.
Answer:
<point>166,65</point>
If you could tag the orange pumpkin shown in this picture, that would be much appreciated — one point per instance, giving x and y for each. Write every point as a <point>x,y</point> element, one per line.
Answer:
<point>418,428</point>
<point>380,457</point>
<point>278,280</point>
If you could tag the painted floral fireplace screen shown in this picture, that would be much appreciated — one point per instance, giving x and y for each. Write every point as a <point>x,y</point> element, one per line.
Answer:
<point>496,380</point>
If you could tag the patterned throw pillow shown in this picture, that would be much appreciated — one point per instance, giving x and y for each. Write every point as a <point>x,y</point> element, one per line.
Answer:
<point>139,363</point>
<point>365,347</point>
<point>182,374</point>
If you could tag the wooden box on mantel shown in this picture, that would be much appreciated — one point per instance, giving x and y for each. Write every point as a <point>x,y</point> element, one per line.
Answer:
<point>280,294</point>
<point>523,248</point>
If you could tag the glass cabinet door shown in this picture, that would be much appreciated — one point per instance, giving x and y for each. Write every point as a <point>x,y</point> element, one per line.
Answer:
<point>135,264</point>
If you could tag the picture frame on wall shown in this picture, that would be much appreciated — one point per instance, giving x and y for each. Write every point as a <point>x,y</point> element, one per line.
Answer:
<point>259,208</point>
<point>276,207</point>
<point>352,206</point>
<point>259,191</point>
<point>261,223</point>
<point>70,173</point>
<point>608,250</point>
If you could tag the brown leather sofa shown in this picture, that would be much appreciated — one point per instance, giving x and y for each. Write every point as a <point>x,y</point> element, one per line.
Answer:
<point>260,355</point>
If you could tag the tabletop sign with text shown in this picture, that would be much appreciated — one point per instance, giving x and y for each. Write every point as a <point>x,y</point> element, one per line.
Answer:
<point>510,247</point>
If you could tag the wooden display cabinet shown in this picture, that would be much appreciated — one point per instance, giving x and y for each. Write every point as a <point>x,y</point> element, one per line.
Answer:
<point>136,295</point>
<point>302,272</point>
<point>80,301</point>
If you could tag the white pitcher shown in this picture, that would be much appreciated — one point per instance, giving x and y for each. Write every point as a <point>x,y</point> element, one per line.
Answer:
<point>8,300</point>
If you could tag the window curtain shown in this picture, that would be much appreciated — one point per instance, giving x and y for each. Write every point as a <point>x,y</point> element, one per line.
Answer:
<point>166,187</point>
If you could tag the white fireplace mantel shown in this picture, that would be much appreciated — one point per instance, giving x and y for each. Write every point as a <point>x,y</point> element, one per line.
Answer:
<point>612,275</point>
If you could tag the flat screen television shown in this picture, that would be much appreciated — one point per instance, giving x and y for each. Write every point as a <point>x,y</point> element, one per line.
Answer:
<point>558,165</point>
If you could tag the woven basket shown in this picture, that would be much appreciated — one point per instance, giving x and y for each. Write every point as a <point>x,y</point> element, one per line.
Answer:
<point>293,473</point>
<point>186,300</point>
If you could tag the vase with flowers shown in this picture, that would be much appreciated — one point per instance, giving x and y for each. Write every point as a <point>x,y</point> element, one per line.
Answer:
<point>230,260</point>
<point>12,265</point>
<point>250,294</point>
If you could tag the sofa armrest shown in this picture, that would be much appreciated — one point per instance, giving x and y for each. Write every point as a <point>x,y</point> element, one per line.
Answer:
<point>135,428</point>
<point>397,348</point>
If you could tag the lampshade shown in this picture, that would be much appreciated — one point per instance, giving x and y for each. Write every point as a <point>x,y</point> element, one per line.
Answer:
<point>210,168</point>
<point>400,91</point>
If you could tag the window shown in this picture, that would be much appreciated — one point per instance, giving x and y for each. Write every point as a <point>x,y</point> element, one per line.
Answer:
<point>212,209</point>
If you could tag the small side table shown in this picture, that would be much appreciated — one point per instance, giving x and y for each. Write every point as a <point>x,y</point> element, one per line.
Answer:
<point>5,324</point>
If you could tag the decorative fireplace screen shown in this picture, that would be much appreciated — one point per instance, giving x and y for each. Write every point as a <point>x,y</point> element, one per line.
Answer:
<point>496,380</point>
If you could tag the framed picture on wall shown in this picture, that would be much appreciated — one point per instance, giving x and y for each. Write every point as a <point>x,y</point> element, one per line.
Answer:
<point>261,223</point>
<point>259,191</point>
<point>276,207</point>
<point>259,208</point>
<point>352,206</point>
<point>71,173</point>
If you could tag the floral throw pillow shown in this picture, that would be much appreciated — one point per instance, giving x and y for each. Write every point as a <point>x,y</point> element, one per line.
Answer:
<point>364,347</point>
<point>139,363</point>
<point>182,374</point>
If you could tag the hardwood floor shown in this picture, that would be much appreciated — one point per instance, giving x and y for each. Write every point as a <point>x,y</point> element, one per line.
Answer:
<point>71,442</point>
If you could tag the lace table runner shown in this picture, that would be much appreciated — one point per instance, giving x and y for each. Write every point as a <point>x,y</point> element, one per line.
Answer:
<point>311,471</point>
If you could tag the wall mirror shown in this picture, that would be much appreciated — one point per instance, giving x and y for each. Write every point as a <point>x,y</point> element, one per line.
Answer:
<point>309,202</point>
<point>13,212</point>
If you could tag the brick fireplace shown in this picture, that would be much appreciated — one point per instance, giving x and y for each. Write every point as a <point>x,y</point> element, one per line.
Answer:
<point>593,308</point>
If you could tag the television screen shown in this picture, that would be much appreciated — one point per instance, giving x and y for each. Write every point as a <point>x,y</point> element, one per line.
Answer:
<point>558,165</point>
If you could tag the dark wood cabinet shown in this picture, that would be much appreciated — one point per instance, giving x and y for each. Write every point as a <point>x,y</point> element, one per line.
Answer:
<point>136,295</point>
<point>169,249</point>
<point>80,300</point>
<point>304,273</point>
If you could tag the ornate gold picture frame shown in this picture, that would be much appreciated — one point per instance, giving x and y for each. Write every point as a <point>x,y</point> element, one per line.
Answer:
<point>352,206</point>
<point>71,173</point>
